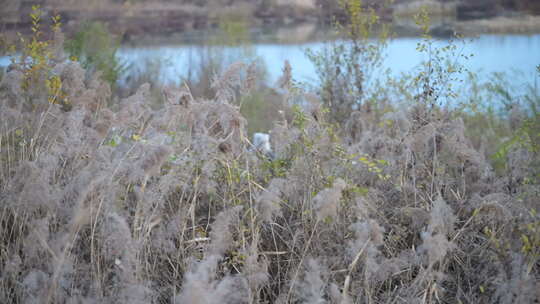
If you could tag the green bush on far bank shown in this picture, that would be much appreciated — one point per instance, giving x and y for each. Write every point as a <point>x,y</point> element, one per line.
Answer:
<point>95,48</point>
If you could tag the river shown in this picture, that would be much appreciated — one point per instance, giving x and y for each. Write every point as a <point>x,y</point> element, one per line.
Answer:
<point>517,55</point>
<point>170,63</point>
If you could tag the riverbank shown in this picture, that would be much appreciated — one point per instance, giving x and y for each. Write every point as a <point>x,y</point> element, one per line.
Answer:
<point>131,19</point>
<point>524,24</point>
<point>135,20</point>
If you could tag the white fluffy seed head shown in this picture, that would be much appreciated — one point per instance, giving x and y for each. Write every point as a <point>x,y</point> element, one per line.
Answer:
<point>261,141</point>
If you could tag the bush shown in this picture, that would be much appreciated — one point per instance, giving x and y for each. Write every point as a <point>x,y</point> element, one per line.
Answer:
<point>346,66</point>
<point>95,48</point>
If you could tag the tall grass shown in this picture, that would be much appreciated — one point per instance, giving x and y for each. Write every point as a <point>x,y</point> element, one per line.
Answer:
<point>127,203</point>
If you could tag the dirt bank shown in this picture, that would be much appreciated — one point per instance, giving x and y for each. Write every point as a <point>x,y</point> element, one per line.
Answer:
<point>157,16</point>
<point>132,19</point>
<point>516,25</point>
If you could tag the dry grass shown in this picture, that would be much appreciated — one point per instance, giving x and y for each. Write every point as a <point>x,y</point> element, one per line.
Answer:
<point>125,203</point>
<point>519,25</point>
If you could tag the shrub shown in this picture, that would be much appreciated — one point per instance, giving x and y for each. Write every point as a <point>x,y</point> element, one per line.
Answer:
<point>345,67</point>
<point>95,48</point>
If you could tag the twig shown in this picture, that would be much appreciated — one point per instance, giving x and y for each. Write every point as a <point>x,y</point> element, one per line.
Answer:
<point>347,283</point>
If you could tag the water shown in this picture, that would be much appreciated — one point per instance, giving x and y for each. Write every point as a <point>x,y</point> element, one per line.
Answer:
<point>518,54</point>
<point>171,63</point>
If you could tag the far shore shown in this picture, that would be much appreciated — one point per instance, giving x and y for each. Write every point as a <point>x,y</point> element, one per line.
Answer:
<point>168,22</point>
<point>305,32</point>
